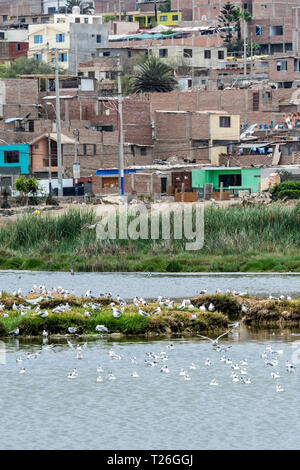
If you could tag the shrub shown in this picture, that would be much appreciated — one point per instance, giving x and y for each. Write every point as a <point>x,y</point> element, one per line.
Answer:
<point>290,189</point>
<point>289,194</point>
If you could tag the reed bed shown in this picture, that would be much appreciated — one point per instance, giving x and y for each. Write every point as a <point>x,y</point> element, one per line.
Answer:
<point>253,238</point>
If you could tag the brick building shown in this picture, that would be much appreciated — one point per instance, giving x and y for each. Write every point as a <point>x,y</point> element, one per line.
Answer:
<point>12,50</point>
<point>198,136</point>
<point>26,7</point>
<point>113,6</point>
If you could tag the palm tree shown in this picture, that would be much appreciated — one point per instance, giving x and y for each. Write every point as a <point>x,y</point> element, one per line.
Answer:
<point>84,7</point>
<point>238,16</point>
<point>153,76</point>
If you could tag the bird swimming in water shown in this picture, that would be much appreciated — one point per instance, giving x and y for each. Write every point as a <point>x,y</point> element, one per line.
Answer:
<point>214,382</point>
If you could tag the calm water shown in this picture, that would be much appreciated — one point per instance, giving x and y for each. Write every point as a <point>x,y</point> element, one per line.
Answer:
<point>127,285</point>
<point>43,409</point>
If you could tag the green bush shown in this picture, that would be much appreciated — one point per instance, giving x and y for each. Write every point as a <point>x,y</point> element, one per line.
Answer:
<point>289,194</point>
<point>290,189</point>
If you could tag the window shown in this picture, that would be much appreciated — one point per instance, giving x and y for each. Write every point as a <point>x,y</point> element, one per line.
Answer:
<point>255,103</point>
<point>38,39</point>
<point>91,75</point>
<point>132,150</point>
<point>129,53</point>
<point>143,150</point>
<point>94,149</point>
<point>98,38</point>
<point>37,56</point>
<point>163,18</point>
<point>60,38</point>
<point>63,57</point>
<point>34,20</point>
<point>11,156</point>
<point>224,121</point>
<point>106,54</point>
<point>84,149</point>
<point>230,180</point>
<point>174,17</point>
<point>267,97</point>
<point>18,47</point>
<point>86,20</point>
<point>24,126</point>
<point>187,53</point>
<point>276,30</point>
<point>77,20</point>
<point>207,54</point>
<point>258,30</point>
<point>107,128</point>
<point>281,65</point>
<point>297,65</point>
<point>45,19</point>
<point>220,55</point>
<point>163,52</point>
<point>245,6</point>
<point>1,35</point>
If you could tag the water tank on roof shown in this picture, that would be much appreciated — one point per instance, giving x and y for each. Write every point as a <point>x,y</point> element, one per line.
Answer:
<point>76,10</point>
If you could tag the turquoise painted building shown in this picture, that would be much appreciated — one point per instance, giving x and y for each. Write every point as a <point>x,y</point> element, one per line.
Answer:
<point>232,178</point>
<point>14,159</point>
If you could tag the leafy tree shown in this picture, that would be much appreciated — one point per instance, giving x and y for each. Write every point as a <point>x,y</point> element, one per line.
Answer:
<point>166,7</point>
<point>126,84</point>
<point>108,18</point>
<point>27,186</point>
<point>84,8</point>
<point>153,76</point>
<point>24,66</point>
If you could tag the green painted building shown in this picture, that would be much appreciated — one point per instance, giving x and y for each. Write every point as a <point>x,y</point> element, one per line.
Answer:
<point>232,178</point>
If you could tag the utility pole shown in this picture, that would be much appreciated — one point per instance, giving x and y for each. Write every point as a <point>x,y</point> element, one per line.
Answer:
<point>120,137</point>
<point>245,49</point>
<point>76,135</point>
<point>58,128</point>
<point>251,44</point>
<point>50,164</point>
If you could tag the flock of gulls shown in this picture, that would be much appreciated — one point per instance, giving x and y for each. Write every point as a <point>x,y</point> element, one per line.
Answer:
<point>237,369</point>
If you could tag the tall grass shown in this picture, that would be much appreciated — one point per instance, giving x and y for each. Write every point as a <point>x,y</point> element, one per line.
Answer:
<point>235,236</point>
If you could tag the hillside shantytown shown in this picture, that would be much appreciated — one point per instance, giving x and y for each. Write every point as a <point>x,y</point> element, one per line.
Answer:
<point>79,107</point>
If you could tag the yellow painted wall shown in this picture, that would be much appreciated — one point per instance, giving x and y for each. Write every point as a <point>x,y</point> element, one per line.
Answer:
<point>214,153</point>
<point>168,21</point>
<point>226,133</point>
<point>49,32</point>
